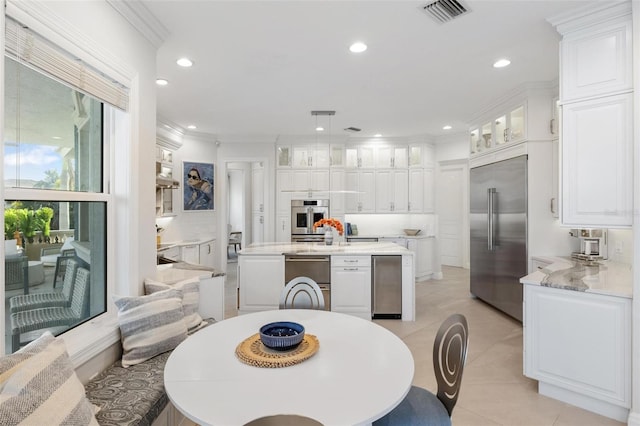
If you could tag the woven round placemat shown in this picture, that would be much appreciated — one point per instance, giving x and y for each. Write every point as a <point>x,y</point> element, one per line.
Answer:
<point>251,351</point>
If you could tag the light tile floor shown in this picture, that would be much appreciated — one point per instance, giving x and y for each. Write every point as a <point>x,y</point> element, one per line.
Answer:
<point>494,390</point>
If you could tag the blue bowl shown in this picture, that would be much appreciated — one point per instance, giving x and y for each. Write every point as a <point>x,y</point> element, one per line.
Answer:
<point>282,335</point>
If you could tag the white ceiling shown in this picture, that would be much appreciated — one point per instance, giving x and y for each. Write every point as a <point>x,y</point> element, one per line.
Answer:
<point>262,66</point>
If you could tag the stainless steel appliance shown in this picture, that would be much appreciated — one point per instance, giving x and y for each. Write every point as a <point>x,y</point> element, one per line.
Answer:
<point>318,268</point>
<point>304,213</point>
<point>498,227</point>
<point>386,286</point>
<point>593,244</point>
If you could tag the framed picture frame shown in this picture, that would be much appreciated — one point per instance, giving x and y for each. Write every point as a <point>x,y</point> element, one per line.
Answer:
<point>198,186</point>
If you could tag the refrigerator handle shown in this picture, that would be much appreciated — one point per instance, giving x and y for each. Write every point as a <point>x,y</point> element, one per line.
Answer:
<point>490,228</point>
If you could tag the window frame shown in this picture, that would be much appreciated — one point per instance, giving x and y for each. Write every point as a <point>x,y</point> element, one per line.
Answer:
<point>92,338</point>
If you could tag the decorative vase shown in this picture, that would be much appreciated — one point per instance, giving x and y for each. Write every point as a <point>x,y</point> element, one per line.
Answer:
<point>328,235</point>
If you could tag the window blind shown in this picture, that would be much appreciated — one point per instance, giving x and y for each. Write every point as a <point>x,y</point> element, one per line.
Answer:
<point>32,50</point>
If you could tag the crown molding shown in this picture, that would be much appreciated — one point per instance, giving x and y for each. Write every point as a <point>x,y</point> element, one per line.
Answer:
<point>577,19</point>
<point>140,18</point>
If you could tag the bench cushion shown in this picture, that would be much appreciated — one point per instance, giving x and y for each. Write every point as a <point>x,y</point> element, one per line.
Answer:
<point>129,396</point>
<point>132,396</point>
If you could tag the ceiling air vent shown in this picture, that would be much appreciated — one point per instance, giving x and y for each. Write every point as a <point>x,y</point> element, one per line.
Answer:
<point>352,129</point>
<point>444,10</point>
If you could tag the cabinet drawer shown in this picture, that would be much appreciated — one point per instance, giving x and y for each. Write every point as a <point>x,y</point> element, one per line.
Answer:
<point>350,261</point>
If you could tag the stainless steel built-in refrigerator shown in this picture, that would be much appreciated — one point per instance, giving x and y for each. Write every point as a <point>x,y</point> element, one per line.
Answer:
<point>498,226</point>
<point>386,291</point>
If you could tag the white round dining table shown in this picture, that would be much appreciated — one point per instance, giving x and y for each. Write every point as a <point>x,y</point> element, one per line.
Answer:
<point>360,372</point>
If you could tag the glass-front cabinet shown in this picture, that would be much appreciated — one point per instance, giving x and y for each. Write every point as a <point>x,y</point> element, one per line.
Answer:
<point>506,128</point>
<point>360,157</point>
<point>391,156</point>
<point>337,156</point>
<point>283,156</point>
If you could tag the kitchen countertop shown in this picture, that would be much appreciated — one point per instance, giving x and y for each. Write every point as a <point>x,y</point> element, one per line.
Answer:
<point>410,237</point>
<point>166,246</point>
<point>605,277</point>
<point>173,272</point>
<point>367,248</point>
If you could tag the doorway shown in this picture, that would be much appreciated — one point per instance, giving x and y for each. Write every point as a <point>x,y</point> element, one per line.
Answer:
<point>452,196</point>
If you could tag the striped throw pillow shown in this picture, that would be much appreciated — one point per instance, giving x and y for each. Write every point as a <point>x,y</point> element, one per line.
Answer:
<point>150,325</point>
<point>38,386</point>
<point>190,297</point>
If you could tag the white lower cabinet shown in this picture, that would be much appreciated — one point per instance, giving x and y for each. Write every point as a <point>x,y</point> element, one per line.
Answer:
<point>207,253</point>
<point>283,229</point>
<point>578,346</point>
<point>260,282</point>
<point>211,303</point>
<point>190,253</point>
<point>351,285</point>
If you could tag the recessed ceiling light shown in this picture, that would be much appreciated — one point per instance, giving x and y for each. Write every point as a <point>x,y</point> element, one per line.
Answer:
<point>377,135</point>
<point>358,47</point>
<point>191,127</point>
<point>184,62</point>
<point>56,138</point>
<point>161,82</point>
<point>447,127</point>
<point>319,129</point>
<point>501,63</point>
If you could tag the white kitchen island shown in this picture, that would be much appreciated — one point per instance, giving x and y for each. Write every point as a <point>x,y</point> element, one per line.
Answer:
<point>261,275</point>
<point>577,333</point>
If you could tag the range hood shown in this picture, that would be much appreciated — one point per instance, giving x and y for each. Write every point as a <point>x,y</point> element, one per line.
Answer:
<point>166,183</point>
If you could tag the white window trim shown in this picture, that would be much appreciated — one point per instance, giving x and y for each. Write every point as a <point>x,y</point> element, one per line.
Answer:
<point>93,337</point>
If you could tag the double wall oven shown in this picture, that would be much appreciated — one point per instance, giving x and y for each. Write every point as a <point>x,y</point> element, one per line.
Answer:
<point>304,213</point>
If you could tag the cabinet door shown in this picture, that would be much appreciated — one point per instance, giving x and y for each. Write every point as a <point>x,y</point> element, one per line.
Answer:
<point>592,357</point>
<point>320,156</point>
<point>319,180</point>
<point>283,154</point>
<point>260,281</point>
<point>428,191</point>
<point>416,193</point>
<point>284,185</point>
<point>190,254</point>
<point>598,60</point>
<point>384,191</point>
<point>597,162</point>
<point>367,188</point>
<point>301,156</point>
<point>257,229</point>
<point>207,254</point>
<point>257,194</point>
<point>351,290</point>
<point>283,229</point>
<point>337,202</point>
<point>351,199</point>
<point>337,156</point>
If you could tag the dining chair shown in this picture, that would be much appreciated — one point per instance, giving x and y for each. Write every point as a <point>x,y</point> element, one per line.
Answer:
<point>52,299</point>
<point>16,273</point>
<point>235,240</point>
<point>301,293</point>
<point>421,407</point>
<point>38,319</point>
<point>284,420</point>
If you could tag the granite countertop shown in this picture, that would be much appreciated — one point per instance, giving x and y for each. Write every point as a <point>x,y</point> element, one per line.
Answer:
<point>367,248</point>
<point>171,273</point>
<point>604,277</point>
<point>166,246</point>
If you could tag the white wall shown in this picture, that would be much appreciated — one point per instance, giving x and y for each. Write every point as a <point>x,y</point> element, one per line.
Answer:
<point>452,147</point>
<point>193,224</point>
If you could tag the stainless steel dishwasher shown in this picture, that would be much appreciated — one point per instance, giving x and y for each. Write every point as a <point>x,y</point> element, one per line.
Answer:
<point>386,291</point>
<point>318,268</point>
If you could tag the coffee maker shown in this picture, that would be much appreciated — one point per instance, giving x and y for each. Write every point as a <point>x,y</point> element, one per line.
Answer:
<point>593,244</point>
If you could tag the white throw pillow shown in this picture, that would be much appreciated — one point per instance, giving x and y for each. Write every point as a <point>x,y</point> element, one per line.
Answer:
<point>38,386</point>
<point>190,298</point>
<point>150,325</point>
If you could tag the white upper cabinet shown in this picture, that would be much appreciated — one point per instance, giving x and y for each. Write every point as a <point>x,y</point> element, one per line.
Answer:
<point>391,157</point>
<point>313,155</point>
<point>360,157</point>
<point>337,157</point>
<point>506,127</point>
<point>391,191</point>
<point>283,155</point>
<point>421,191</point>
<point>596,60</point>
<point>363,197</point>
<point>596,98</point>
<point>597,162</point>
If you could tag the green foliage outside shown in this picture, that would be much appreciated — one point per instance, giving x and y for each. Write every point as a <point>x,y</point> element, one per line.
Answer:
<point>27,221</point>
